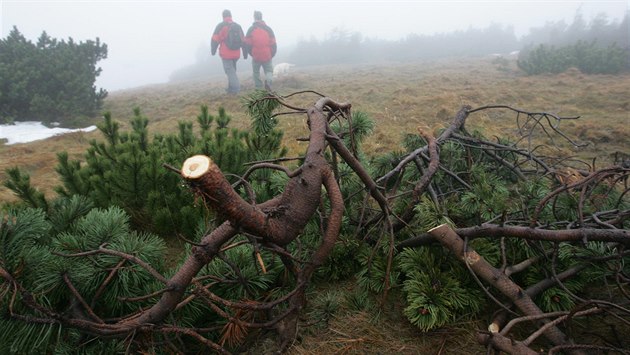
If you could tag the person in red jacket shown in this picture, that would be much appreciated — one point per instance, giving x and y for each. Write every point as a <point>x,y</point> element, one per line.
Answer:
<point>260,42</point>
<point>228,37</point>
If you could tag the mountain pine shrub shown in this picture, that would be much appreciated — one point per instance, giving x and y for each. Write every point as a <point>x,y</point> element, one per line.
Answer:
<point>126,169</point>
<point>588,57</point>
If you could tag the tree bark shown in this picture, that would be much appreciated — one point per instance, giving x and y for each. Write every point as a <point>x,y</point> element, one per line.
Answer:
<point>210,246</point>
<point>448,238</point>
<point>621,236</point>
<point>278,221</point>
<point>506,344</point>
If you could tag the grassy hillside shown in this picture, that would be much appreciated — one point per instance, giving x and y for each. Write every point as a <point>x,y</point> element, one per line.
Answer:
<point>401,98</point>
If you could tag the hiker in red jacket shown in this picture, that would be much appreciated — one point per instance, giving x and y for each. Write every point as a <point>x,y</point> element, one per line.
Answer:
<point>260,42</point>
<point>228,37</point>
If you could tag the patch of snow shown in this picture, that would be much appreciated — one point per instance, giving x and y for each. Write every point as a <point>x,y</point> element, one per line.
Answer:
<point>24,132</point>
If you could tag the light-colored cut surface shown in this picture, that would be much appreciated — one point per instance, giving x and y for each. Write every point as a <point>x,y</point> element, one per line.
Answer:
<point>196,166</point>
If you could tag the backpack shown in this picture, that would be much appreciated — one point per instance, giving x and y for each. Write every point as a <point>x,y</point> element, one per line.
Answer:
<point>234,39</point>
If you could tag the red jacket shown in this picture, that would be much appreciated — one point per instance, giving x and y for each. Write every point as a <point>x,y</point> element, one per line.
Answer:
<point>218,40</point>
<point>261,42</point>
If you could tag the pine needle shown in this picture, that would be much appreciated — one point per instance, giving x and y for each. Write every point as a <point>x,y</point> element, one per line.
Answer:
<point>261,262</point>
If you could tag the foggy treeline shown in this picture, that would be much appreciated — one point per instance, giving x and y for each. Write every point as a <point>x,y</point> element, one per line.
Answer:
<point>599,29</point>
<point>341,46</point>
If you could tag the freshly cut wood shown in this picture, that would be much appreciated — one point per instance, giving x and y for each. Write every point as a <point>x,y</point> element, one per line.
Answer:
<point>196,166</point>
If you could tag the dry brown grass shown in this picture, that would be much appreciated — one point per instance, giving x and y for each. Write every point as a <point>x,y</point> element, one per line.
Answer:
<point>39,159</point>
<point>374,331</point>
<point>359,333</point>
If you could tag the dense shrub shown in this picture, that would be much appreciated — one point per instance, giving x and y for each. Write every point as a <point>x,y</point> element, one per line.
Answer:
<point>126,169</point>
<point>596,47</point>
<point>49,81</point>
<point>439,290</point>
<point>589,58</point>
<point>31,244</point>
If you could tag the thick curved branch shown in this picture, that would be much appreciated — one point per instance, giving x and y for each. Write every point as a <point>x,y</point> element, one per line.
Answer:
<point>177,285</point>
<point>334,222</point>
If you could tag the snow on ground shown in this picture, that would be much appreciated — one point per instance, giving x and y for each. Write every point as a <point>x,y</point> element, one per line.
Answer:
<point>24,132</point>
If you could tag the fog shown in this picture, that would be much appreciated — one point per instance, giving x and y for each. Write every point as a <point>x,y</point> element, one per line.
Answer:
<point>149,40</point>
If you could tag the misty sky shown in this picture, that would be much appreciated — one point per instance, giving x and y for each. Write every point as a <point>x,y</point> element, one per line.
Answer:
<point>148,40</point>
